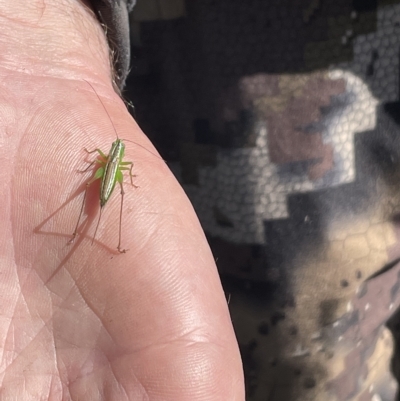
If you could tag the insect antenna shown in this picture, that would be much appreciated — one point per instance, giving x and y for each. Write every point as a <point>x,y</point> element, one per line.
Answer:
<point>104,107</point>
<point>143,147</point>
<point>116,133</point>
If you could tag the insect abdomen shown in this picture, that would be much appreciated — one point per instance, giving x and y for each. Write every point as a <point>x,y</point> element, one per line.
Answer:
<point>110,171</point>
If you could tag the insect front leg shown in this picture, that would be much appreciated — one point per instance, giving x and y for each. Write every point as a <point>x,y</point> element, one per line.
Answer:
<point>96,150</point>
<point>102,161</point>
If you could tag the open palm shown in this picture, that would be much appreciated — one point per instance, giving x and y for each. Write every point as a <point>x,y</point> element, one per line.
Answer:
<point>81,321</point>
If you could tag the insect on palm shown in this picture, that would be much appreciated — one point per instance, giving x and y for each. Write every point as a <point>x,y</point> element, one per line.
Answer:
<point>109,172</point>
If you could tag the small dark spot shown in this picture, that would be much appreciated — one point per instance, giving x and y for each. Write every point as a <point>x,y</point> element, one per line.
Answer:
<point>297,372</point>
<point>293,330</point>
<point>274,361</point>
<point>252,345</point>
<point>358,274</point>
<point>371,65</point>
<point>221,218</point>
<point>276,317</point>
<point>328,309</point>
<point>329,354</point>
<point>344,283</point>
<point>309,382</point>
<point>263,328</point>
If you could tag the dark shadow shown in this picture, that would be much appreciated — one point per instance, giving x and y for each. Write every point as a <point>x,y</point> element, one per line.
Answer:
<point>393,324</point>
<point>91,210</point>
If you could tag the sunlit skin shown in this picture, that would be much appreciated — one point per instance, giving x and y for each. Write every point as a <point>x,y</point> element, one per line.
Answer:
<point>82,321</point>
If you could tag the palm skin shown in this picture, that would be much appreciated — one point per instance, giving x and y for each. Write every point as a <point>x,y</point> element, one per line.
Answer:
<point>81,321</point>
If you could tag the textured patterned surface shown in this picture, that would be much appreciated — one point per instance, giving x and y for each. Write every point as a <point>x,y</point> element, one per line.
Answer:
<point>296,149</point>
<point>281,119</point>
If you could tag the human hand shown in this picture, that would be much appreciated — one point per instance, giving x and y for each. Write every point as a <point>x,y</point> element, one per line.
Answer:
<point>80,321</point>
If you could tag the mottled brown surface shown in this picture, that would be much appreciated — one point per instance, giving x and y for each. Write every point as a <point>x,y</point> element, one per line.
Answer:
<point>311,327</point>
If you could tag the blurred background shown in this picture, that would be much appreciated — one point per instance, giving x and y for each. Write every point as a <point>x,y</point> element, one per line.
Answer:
<point>280,118</point>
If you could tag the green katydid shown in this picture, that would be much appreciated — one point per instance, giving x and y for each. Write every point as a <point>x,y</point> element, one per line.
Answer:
<point>110,172</point>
